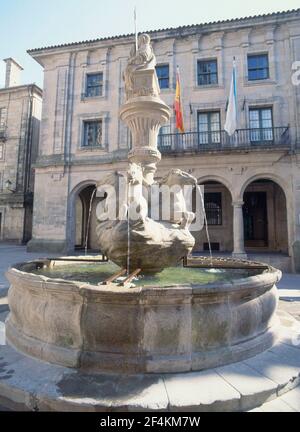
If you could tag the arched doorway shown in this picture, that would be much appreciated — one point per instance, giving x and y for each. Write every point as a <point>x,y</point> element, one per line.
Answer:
<point>219,213</point>
<point>84,218</point>
<point>265,217</point>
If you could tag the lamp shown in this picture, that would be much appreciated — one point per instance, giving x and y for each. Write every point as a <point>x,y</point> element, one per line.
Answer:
<point>8,186</point>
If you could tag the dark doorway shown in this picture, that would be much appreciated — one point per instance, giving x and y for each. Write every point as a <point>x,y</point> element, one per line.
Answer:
<point>255,219</point>
<point>83,220</point>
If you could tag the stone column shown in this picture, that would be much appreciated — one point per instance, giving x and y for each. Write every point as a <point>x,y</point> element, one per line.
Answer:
<point>144,112</point>
<point>238,230</point>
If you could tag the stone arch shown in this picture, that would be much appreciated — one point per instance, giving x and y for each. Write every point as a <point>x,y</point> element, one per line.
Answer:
<point>268,176</point>
<point>220,215</point>
<point>73,198</point>
<point>80,186</point>
<point>218,179</point>
<point>277,216</point>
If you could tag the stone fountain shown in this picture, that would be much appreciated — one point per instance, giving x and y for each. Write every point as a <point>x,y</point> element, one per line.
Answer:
<point>153,245</point>
<point>124,328</point>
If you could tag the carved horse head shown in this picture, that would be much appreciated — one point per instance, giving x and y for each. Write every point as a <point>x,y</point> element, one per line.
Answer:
<point>178,177</point>
<point>135,174</point>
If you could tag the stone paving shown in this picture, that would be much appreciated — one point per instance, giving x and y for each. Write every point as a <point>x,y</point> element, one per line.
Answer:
<point>289,310</point>
<point>11,254</point>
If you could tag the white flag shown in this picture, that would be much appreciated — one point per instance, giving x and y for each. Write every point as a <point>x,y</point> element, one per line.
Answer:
<point>231,115</point>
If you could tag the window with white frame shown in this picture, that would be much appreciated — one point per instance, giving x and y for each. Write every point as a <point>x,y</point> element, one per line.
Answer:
<point>209,127</point>
<point>261,124</point>
<point>93,133</point>
<point>94,84</point>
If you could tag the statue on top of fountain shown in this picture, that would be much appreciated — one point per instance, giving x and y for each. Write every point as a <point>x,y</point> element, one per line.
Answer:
<point>153,244</point>
<point>141,59</point>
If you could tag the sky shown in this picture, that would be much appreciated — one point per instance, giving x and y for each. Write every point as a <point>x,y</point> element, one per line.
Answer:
<point>27,24</point>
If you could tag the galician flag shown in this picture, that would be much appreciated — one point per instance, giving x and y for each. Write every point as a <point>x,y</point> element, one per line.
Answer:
<point>231,115</point>
<point>177,104</point>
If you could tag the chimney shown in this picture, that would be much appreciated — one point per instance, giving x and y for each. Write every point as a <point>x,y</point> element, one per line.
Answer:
<point>13,73</point>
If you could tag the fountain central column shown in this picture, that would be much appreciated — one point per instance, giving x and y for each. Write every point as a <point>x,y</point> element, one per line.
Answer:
<point>144,111</point>
<point>136,238</point>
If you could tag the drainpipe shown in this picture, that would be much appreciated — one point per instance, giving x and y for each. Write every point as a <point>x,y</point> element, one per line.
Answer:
<point>27,162</point>
<point>67,147</point>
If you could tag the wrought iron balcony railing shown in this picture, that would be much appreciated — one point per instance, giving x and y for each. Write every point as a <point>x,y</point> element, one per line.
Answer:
<point>220,140</point>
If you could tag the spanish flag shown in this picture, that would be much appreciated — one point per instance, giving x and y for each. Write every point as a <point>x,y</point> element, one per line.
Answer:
<point>177,104</point>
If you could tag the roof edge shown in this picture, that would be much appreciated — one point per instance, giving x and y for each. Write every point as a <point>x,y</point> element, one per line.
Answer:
<point>19,87</point>
<point>180,28</point>
<point>10,59</point>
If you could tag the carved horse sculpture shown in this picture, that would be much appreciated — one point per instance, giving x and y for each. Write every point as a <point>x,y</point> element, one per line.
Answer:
<point>176,180</point>
<point>112,189</point>
<point>122,195</point>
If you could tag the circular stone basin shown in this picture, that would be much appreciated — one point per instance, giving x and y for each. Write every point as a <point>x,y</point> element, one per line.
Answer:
<point>182,319</point>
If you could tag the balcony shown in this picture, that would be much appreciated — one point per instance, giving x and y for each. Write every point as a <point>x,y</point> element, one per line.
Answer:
<point>243,139</point>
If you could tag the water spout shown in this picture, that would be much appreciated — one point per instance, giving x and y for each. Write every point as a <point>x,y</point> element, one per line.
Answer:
<point>206,226</point>
<point>88,222</point>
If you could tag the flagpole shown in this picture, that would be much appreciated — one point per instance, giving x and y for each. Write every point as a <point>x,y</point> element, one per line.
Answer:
<point>235,137</point>
<point>232,108</point>
<point>135,31</point>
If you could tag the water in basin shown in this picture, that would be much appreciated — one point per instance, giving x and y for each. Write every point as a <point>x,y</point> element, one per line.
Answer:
<point>93,273</point>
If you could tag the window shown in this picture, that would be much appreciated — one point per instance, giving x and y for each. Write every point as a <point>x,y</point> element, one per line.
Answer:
<point>3,115</point>
<point>94,84</point>
<point>215,246</point>
<point>162,72</point>
<point>207,72</point>
<point>129,139</point>
<point>209,127</point>
<point>258,67</point>
<point>164,139</point>
<point>261,124</point>
<point>213,207</point>
<point>1,152</point>
<point>93,133</point>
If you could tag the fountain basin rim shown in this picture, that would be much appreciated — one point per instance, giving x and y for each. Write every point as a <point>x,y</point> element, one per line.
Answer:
<point>160,329</point>
<point>260,281</point>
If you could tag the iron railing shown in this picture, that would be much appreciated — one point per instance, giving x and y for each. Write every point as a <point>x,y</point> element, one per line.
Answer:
<point>220,140</point>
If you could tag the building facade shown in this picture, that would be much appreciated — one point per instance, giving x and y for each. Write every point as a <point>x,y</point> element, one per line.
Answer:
<point>20,114</point>
<point>251,179</point>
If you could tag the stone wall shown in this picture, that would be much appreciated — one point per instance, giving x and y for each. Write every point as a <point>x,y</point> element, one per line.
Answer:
<point>22,105</point>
